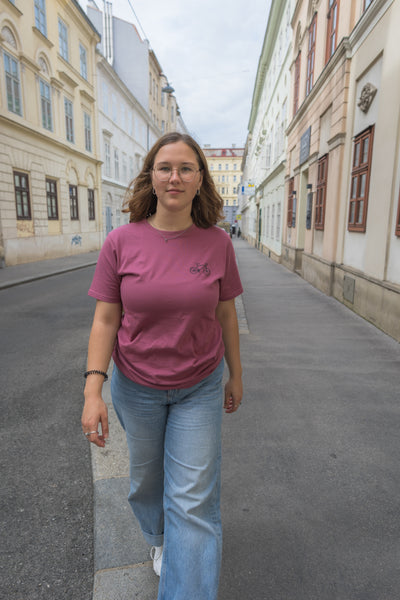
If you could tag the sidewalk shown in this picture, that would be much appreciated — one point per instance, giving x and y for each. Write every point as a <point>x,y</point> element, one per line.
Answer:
<point>18,274</point>
<point>310,475</point>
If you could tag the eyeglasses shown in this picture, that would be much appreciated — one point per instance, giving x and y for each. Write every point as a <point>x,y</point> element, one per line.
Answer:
<point>186,173</point>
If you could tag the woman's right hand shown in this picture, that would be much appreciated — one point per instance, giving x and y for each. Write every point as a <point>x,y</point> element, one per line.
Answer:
<point>95,415</point>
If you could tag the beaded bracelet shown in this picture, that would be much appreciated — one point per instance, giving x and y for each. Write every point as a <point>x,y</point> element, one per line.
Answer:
<point>96,372</point>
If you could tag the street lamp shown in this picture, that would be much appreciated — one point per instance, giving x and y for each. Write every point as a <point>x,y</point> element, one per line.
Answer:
<point>168,89</point>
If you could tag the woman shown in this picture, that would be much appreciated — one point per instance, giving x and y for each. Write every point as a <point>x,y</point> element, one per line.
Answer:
<point>165,286</point>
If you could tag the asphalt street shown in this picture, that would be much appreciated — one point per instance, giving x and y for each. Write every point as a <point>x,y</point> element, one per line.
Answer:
<point>311,478</point>
<point>46,506</point>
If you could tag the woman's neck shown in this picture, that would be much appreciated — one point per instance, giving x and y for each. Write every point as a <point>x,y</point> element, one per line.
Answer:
<point>170,222</point>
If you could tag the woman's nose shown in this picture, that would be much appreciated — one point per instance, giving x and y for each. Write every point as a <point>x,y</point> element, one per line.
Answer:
<point>174,174</point>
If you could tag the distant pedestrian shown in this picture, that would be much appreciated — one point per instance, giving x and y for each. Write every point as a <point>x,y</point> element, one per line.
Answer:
<point>165,286</point>
<point>239,233</point>
<point>233,230</point>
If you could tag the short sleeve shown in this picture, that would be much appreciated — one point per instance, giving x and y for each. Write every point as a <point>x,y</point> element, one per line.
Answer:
<point>106,281</point>
<point>231,285</point>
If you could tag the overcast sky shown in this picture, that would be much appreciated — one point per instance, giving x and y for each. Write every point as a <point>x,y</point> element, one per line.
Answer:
<point>209,50</point>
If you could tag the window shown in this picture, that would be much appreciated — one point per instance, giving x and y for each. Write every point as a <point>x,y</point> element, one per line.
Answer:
<point>223,190</point>
<point>296,84</point>
<point>290,203</point>
<point>105,97</point>
<point>83,61</point>
<point>116,164</point>
<point>278,221</point>
<point>124,168</point>
<point>219,167</point>
<point>398,219</point>
<point>91,210</point>
<point>311,54</point>
<point>114,107</point>
<point>69,120</point>
<point>45,104</point>
<point>13,87</point>
<point>52,204</point>
<point>40,16</point>
<point>226,167</point>
<point>163,126</point>
<point>88,132</point>
<point>107,155</point>
<point>321,192</point>
<point>331,41</point>
<point>63,39</point>
<point>73,202</point>
<point>212,167</point>
<point>172,114</point>
<point>362,158</point>
<point>235,167</point>
<point>22,200</point>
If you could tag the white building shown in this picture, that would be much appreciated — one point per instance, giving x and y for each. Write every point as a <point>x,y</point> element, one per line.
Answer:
<point>125,132</point>
<point>263,185</point>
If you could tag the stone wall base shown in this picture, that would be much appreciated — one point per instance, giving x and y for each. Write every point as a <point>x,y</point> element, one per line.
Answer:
<point>376,301</point>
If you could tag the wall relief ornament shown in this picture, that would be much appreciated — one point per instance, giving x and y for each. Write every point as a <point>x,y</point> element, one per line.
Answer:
<point>367,95</point>
<point>8,36</point>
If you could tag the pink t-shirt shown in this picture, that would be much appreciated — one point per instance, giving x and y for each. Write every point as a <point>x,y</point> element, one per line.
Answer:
<point>169,336</point>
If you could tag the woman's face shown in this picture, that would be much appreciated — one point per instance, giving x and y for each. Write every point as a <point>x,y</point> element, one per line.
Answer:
<point>174,194</point>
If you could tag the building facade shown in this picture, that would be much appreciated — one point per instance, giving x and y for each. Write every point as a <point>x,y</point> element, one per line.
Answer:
<point>225,168</point>
<point>342,178</point>
<point>132,112</point>
<point>262,194</point>
<point>50,167</point>
<point>125,132</point>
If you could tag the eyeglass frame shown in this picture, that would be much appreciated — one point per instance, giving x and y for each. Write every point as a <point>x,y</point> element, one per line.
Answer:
<point>177,169</point>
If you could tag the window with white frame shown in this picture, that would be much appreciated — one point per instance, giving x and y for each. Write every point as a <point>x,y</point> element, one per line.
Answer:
<point>88,131</point>
<point>83,61</point>
<point>45,105</point>
<point>13,86</point>
<point>124,168</point>
<point>278,222</point>
<point>116,163</point>
<point>107,157</point>
<point>69,120</point>
<point>40,16</point>
<point>105,97</point>
<point>63,39</point>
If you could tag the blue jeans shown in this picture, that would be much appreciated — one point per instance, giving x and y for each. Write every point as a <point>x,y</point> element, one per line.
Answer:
<point>174,441</point>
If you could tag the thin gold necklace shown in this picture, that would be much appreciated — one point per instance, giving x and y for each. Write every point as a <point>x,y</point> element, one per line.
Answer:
<point>167,239</point>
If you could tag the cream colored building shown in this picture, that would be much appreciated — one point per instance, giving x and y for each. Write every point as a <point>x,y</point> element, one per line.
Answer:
<point>341,229</point>
<point>225,168</point>
<point>163,108</point>
<point>50,171</point>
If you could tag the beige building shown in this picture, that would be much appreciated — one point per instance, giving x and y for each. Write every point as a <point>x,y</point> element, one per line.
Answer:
<point>225,167</point>
<point>163,108</point>
<point>50,172</point>
<point>341,229</point>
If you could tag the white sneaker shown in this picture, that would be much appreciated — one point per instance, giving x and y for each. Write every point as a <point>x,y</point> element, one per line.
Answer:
<point>156,556</point>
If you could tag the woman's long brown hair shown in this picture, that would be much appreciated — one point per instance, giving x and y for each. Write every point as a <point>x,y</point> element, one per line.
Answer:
<point>140,202</point>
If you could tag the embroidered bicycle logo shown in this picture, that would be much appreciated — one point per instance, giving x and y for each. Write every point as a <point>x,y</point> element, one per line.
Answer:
<point>200,268</point>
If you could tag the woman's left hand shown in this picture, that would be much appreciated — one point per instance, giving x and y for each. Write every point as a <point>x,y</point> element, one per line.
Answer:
<point>233,394</point>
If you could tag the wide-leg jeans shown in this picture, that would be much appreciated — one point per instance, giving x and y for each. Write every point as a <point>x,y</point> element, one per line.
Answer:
<point>174,442</point>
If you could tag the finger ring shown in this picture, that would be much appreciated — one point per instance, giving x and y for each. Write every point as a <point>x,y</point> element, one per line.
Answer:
<point>90,433</point>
